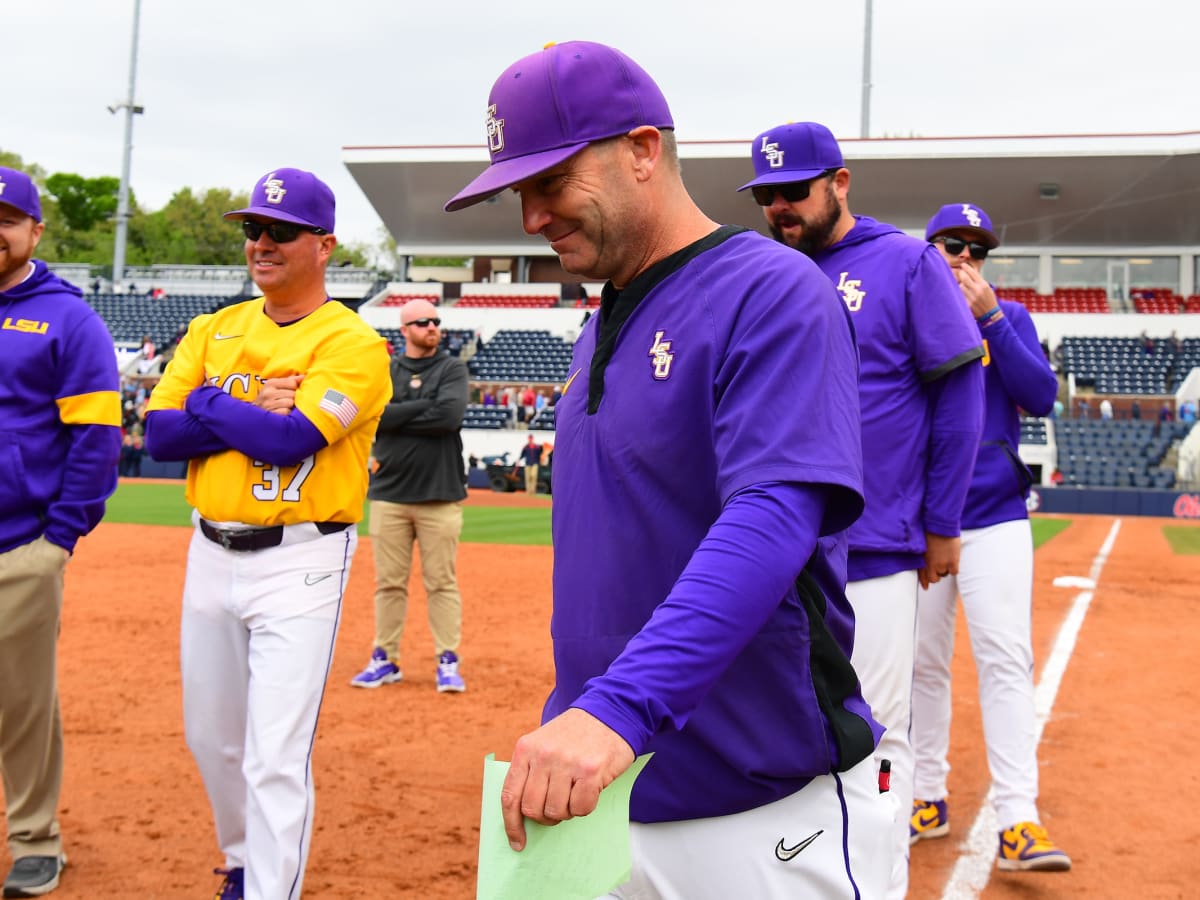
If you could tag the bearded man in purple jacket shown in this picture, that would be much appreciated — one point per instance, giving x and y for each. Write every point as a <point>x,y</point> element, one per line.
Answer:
<point>921,395</point>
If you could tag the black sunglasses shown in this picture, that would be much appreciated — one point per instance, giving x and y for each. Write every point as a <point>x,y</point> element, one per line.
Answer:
<point>279,232</point>
<point>954,246</point>
<point>424,323</point>
<point>792,192</point>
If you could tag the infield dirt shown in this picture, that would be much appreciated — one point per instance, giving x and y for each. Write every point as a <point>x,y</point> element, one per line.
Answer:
<point>398,770</point>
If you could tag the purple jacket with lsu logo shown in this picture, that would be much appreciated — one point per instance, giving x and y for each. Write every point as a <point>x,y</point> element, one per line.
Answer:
<point>920,387</point>
<point>707,436</point>
<point>60,413</point>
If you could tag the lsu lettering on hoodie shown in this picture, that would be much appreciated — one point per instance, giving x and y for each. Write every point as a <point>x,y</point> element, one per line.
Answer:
<point>60,413</point>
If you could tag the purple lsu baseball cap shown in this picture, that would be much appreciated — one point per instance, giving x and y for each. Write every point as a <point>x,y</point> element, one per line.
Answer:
<point>291,195</point>
<point>18,191</point>
<point>548,106</point>
<point>797,151</point>
<point>963,217</point>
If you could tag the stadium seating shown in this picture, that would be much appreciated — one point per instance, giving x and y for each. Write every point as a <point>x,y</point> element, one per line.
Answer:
<point>396,338</point>
<point>401,299</point>
<point>533,357</point>
<point>543,420</point>
<point>1033,430</point>
<point>130,318</point>
<point>1148,300</point>
<point>1023,295</point>
<point>1063,300</point>
<point>1121,365</point>
<point>1156,300</point>
<point>480,416</point>
<point>1116,453</point>
<point>516,301</point>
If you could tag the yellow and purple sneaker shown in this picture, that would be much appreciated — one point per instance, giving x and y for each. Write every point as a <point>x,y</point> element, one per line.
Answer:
<point>233,887</point>
<point>1026,848</point>
<point>929,820</point>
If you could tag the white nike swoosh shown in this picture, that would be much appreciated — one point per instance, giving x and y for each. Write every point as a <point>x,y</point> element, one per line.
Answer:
<point>783,854</point>
<point>225,337</point>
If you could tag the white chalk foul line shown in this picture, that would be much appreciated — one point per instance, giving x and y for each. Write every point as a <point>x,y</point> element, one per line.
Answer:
<point>974,866</point>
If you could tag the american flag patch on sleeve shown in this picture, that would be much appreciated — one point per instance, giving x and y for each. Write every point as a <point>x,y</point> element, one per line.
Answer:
<point>339,406</point>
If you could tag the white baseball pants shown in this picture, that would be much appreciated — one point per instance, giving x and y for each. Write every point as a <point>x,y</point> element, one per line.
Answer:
<point>995,579</point>
<point>885,621</point>
<point>256,644</point>
<point>840,823</point>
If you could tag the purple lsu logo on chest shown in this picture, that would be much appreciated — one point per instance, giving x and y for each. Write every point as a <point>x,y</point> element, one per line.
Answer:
<point>662,356</point>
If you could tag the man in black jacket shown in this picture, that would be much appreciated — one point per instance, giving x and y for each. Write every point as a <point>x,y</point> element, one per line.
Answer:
<point>416,493</point>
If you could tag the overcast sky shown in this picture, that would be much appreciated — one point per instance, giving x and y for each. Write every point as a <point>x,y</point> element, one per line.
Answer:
<point>233,88</point>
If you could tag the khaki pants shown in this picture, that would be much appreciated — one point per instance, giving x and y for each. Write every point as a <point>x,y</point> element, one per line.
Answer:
<point>31,744</point>
<point>531,473</point>
<point>435,527</point>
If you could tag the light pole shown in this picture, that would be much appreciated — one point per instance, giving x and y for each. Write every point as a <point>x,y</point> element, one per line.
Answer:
<point>866,78</point>
<point>131,109</point>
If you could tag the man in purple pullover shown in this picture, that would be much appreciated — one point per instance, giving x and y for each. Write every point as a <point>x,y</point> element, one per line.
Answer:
<point>699,544</point>
<point>921,394</point>
<point>995,575</point>
<point>60,439</point>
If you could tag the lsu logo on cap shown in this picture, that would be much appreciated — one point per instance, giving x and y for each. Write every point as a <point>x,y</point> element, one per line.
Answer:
<point>2,187</point>
<point>273,189</point>
<point>661,353</point>
<point>495,130</point>
<point>772,152</point>
<point>971,214</point>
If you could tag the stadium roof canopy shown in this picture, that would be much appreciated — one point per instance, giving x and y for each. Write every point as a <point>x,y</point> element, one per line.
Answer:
<point>1042,191</point>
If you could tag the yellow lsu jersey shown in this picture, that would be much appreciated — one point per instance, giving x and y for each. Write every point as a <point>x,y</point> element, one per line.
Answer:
<point>345,388</point>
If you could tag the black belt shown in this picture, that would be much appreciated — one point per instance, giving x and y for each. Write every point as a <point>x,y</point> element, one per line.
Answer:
<point>244,539</point>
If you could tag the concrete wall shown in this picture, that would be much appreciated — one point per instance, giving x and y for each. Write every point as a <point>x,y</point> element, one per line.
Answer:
<point>491,442</point>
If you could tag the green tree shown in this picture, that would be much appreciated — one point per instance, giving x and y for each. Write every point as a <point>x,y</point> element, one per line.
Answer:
<point>83,202</point>
<point>79,215</point>
<point>351,254</point>
<point>12,160</point>
<point>190,230</point>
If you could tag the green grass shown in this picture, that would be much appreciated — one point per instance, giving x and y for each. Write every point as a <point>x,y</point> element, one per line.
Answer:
<point>1044,529</point>
<point>506,525</point>
<point>163,504</point>
<point>1184,539</point>
<point>148,504</point>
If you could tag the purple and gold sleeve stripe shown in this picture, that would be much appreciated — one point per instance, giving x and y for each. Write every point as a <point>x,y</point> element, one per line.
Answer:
<point>95,408</point>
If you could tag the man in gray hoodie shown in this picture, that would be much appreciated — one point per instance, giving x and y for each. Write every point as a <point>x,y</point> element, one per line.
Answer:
<point>418,485</point>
